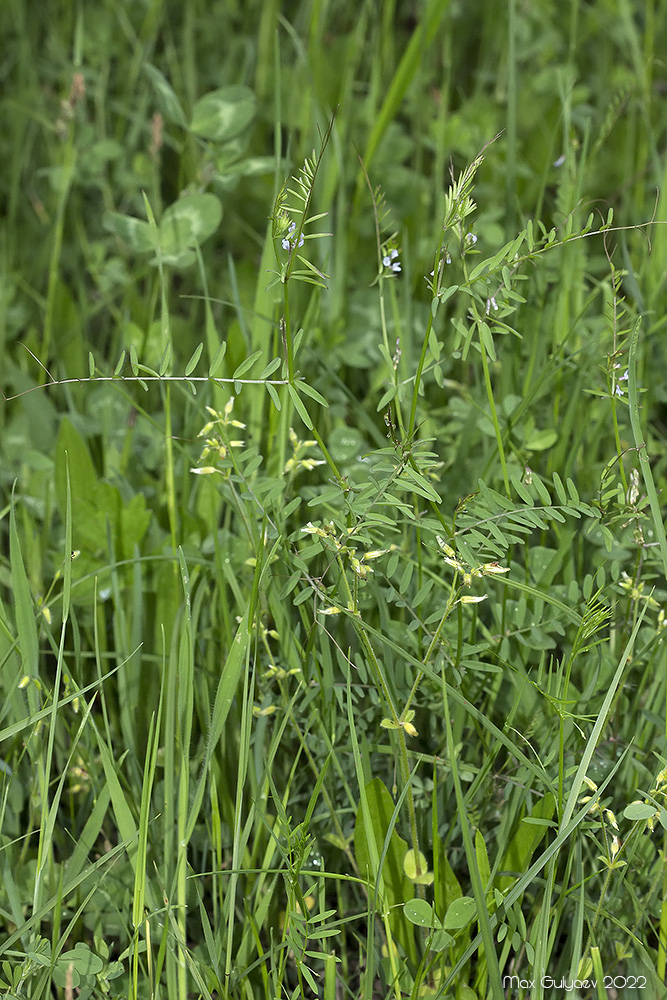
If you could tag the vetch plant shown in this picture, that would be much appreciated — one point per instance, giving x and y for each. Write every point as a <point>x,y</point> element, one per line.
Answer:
<point>370,578</point>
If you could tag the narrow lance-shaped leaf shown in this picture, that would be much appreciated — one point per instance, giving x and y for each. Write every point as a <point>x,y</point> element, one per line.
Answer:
<point>194,360</point>
<point>246,365</point>
<point>216,363</point>
<point>313,393</point>
<point>299,407</point>
<point>270,368</point>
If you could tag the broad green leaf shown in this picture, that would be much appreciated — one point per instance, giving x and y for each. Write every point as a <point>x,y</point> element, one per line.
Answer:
<point>381,807</point>
<point>524,843</point>
<point>169,104</point>
<point>425,877</point>
<point>136,233</point>
<point>460,913</point>
<point>419,912</point>
<point>134,521</point>
<point>83,478</point>
<point>446,887</point>
<point>542,440</point>
<point>639,810</point>
<point>223,114</point>
<point>83,959</point>
<point>252,166</point>
<point>95,503</point>
<point>188,223</point>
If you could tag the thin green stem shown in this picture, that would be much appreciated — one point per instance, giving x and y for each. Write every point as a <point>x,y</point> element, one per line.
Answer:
<point>389,701</point>
<point>432,646</point>
<point>67,173</point>
<point>170,485</point>
<point>494,415</point>
<point>662,937</point>
<point>642,452</point>
<point>287,333</point>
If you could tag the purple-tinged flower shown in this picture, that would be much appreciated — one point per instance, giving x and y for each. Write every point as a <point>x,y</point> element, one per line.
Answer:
<point>618,391</point>
<point>390,260</point>
<point>290,244</point>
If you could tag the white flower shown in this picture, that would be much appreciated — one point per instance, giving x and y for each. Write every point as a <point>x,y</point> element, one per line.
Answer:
<point>492,569</point>
<point>290,244</point>
<point>390,260</point>
<point>618,391</point>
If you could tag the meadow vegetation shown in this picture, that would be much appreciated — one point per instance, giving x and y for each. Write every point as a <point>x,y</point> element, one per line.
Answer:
<point>332,628</point>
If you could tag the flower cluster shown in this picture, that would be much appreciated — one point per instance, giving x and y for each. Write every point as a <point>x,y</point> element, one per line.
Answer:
<point>216,443</point>
<point>636,590</point>
<point>468,574</point>
<point>295,463</point>
<point>618,389</point>
<point>329,534</point>
<point>289,244</point>
<point>596,807</point>
<point>390,260</point>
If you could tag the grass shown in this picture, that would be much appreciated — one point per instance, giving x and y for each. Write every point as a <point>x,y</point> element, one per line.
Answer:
<point>333,463</point>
